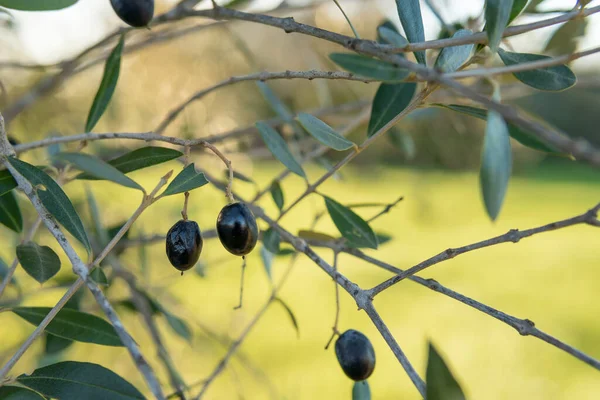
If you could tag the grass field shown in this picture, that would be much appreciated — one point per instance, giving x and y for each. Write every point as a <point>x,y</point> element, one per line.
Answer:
<point>551,279</point>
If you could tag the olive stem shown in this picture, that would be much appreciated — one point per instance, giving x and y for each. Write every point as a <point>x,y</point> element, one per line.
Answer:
<point>185,206</point>
<point>227,163</point>
<point>337,302</point>
<point>241,283</point>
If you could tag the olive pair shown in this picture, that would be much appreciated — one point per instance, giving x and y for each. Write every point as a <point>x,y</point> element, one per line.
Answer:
<point>236,228</point>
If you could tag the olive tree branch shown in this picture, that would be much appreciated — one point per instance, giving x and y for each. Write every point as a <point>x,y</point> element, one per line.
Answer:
<point>514,236</point>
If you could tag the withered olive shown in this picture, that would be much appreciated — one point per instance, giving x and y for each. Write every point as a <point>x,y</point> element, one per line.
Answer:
<point>184,244</point>
<point>355,354</point>
<point>237,229</point>
<point>136,13</point>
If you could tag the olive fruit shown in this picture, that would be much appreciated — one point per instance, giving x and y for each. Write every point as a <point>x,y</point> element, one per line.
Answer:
<point>184,244</point>
<point>355,354</point>
<point>136,13</point>
<point>237,229</point>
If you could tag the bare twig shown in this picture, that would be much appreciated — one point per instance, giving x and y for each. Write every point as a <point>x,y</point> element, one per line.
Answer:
<point>337,303</point>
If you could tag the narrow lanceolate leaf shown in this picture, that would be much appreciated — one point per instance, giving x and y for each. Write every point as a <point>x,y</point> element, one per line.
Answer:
<point>566,38</point>
<point>496,164</point>
<point>7,182</point>
<point>514,131</point>
<point>369,67</point>
<point>558,77</point>
<point>37,5</point>
<point>279,148</point>
<point>72,324</point>
<point>388,34</point>
<point>40,262</point>
<point>324,133</point>
<point>279,106</point>
<point>312,235</point>
<point>18,393</point>
<point>55,344</point>
<point>267,259</point>
<point>390,100</point>
<point>187,180</point>
<point>99,276</point>
<point>517,8</point>
<point>271,240</point>
<point>98,168</point>
<point>107,85</point>
<point>361,391</point>
<point>441,385</point>
<point>277,194</point>
<point>452,58</point>
<point>10,213</point>
<point>139,159</point>
<point>352,227</point>
<point>290,314</point>
<point>100,230</point>
<point>179,326</point>
<point>54,199</point>
<point>72,380</point>
<point>409,12</point>
<point>497,14</point>
<point>4,271</point>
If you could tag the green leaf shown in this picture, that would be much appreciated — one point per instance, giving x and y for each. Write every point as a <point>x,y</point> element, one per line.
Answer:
<point>37,5</point>
<point>7,182</point>
<point>290,314</point>
<point>179,326</point>
<point>10,213</point>
<point>107,85</point>
<point>54,199</point>
<point>496,164</point>
<point>18,393</point>
<point>352,227</point>
<point>139,159</point>
<point>98,276</point>
<point>40,262</point>
<point>324,133</point>
<point>286,252</point>
<point>267,259</point>
<point>409,12</point>
<point>441,385</point>
<point>369,67</point>
<point>566,38</point>
<point>279,148</point>
<point>98,168</point>
<point>556,78</point>
<point>72,324</point>
<point>271,240</point>
<point>452,58</point>
<point>497,15</point>
<point>279,107</point>
<point>312,235</point>
<point>187,180</point>
<point>72,380</point>
<point>99,229</point>
<point>515,132</point>
<point>516,10</point>
<point>240,176</point>
<point>361,391</point>
<point>4,271</point>
<point>277,195</point>
<point>387,33</point>
<point>404,142</point>
<point>55,344</point>
<point>390,100</point>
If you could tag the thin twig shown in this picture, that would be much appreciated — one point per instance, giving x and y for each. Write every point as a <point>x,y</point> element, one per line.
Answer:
<point>337,303</point>
<point>347,19</point>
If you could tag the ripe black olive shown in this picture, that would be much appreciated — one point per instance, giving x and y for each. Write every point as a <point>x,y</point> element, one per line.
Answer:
<point>355,354</point>
<point>137,13</point>
<point>237,229</point>
<point>184,244</point>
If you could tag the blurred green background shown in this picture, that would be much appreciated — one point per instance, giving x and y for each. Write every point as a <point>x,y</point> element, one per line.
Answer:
<point>431,160</point>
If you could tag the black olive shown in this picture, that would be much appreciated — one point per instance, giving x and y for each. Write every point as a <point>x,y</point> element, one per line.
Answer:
<point>355,354</point>
<point>237,229</point>
<point>184,244</point>
<point>137,13</point>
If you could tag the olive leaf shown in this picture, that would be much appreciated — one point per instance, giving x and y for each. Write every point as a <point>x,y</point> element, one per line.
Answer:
<point>107,85</point>
<point>79,380</point>
<point>10,213</point>
<point>98,276</point>
<point>98,168</point>
<point>277,194</point>
<point>267,259</point>
<point>290,314</point>
<point>55,344</point>
<point>279,148</point>
<point>324,133</point>
<point>352,227</point>
<point>388,34</point>
<point>72,324</point>
<point>188,179</point>
<point>54,199</point>
<point>369,67</point>
<point>271,240</point>
<point>40,262</point>
<point>452,58</point>
<point>18,393</point>
<point>441,385</point>
<point>37,5</point>
<point>409,12</point>
<point>361,391</point>
<point>312,235</point>
<point>4,271</point>
<point>555,78</point>
<point>497,15</point>
<point>7,182</point>
<point>390,100</point>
